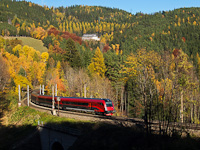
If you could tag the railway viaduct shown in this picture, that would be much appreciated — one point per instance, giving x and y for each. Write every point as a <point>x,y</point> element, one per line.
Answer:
<point>57,137</point>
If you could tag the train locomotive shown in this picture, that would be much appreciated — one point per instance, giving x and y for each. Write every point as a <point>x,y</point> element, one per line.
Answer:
<point>94,105</point>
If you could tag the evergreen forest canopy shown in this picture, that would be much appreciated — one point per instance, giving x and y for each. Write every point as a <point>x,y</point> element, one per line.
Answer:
<point>148,64</point>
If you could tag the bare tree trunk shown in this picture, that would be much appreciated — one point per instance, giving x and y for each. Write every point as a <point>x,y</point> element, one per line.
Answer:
<point>85,90</point>
<point>125,103</point>
<point>91,90</point>
<point>191,113</point>
<point>150,107</point>
<point>117,98</point>
<point>181,111</point>
<point>128,104</point>
<point>145,113</point>
<point>81,90</point>
<point>122,100</point>
<point>104,92</point>
<point>195,113</point>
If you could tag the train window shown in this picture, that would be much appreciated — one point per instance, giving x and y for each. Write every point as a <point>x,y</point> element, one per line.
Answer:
<point>75,103</point>
<point>101,104</point>
<point>85,104</point>
<point>49,100</point>
<point>64,102</point>
<point>40,99</point>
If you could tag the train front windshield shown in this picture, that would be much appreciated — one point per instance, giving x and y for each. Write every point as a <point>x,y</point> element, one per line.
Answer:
<point>109,104</point>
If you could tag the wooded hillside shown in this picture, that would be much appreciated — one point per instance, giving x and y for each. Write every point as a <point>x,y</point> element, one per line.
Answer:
<point>148,64</point>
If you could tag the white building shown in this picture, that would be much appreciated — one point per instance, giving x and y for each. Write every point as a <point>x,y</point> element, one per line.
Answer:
<point>87,37</point>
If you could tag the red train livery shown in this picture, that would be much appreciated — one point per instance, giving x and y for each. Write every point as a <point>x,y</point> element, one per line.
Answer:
<point>96,105</point>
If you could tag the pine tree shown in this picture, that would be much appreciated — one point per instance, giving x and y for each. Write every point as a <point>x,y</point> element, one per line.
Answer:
<point>71,53</point>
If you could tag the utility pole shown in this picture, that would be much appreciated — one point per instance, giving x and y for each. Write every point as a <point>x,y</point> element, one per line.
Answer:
<point>28,95</point>
<point>53,101</point>
<point>43,89</point>
<point>19,91</point>
<point>58,100</point>
<point>40,89</point>
<point>85,90</point>
<point>56,90</point>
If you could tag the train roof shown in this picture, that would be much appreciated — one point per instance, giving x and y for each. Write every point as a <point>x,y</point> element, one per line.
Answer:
<point>86,98</point>
<point>81,98</point>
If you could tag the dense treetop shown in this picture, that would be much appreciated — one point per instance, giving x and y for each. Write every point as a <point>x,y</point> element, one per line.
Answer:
<point>160,31</point>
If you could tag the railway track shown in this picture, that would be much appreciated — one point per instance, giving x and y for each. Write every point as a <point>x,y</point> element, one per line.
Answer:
<point>121,121</point>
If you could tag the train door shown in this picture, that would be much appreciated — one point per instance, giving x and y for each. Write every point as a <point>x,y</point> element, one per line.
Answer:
<point>94,107</point>
<point>90,106</point>
<point>37,100</point>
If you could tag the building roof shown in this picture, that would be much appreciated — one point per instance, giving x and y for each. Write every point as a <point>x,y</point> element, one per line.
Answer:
<point>90,37</point>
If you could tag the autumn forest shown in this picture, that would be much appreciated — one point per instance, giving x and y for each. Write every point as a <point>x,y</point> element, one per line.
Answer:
<point>147,64</point>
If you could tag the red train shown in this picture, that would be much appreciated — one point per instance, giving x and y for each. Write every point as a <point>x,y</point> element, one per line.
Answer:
<point>96,105</point>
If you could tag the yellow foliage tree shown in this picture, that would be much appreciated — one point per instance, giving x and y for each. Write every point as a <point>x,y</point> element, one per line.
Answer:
<point>22,81</point>
<point>44,56</point>
<point>97,66</point>
<point>30,61</point>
